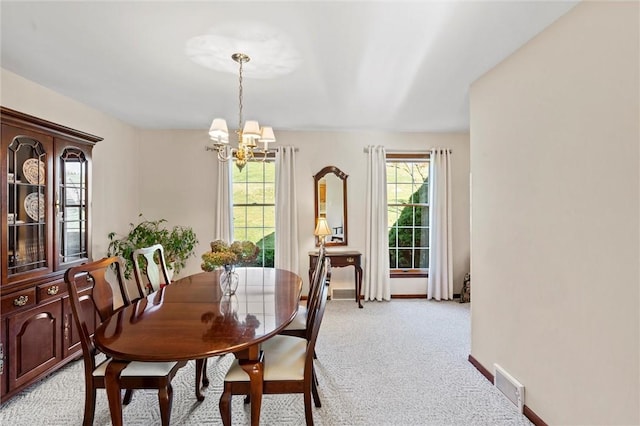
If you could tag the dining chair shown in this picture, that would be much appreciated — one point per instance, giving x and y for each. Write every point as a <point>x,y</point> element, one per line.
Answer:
<point>288,365</point>
<point>298,327</point>
<point>150,262</point>
<point>92,301</point>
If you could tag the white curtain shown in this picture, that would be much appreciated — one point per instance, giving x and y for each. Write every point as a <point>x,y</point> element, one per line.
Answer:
<point>223,213</point>
<point>286,241</point>
<point>376,254</point>
<point>440,283</point>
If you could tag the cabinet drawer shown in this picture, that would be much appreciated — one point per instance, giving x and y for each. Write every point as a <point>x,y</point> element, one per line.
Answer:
<point>347,260</point>
<point>18,300</point>
<point>50,290</point>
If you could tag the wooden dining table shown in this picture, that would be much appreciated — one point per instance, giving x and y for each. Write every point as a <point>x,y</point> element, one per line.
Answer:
<point>191,319</point>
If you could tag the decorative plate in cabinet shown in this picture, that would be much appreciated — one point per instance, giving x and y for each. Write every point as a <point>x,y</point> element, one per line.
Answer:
<point>33,170</point>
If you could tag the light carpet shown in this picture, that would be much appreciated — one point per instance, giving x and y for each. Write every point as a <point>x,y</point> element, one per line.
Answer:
<point>402,362</point>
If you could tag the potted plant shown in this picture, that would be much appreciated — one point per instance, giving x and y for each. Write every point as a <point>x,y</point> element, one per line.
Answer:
<point>178,242</point>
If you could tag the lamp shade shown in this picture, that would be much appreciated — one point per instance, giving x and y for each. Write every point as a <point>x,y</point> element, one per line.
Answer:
<point>267,135</point>
<point>322,228</point>
<point>218,130</point>
<point>251,129</point>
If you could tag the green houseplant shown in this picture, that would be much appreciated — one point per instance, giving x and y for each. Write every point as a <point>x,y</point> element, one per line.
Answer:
<point>178,242</point>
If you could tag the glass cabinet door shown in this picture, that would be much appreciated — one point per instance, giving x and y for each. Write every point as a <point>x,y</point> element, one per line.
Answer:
<point>26,205</point>
<point>72,207</point>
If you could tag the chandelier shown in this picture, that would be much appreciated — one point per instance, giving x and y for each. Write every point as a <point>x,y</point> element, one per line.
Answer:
<point>248,135</point>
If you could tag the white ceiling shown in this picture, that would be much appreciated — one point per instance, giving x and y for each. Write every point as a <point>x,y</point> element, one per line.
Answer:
<point>389,66</point>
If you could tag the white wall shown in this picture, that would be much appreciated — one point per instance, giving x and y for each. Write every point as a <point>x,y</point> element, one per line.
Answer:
<point>555,163</point>
<point>176,162</point>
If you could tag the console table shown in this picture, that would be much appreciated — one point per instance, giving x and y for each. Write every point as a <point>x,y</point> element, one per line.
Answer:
<point>341,259</point>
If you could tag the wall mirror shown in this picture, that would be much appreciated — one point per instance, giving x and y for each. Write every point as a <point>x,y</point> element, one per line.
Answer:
<point>330,190</point>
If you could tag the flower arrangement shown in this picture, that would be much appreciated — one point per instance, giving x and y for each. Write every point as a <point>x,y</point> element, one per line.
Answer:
<point>222,254</point>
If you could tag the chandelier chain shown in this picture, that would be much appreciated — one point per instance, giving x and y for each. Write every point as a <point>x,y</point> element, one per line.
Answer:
<point>240,96</point>
<point>247,142</point>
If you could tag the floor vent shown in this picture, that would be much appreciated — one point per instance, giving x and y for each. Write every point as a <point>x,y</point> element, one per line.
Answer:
<point>343,294</point>
<point>510,387</point>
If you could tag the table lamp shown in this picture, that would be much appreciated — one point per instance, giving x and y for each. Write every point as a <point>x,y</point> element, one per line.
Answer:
<point>322,229</point>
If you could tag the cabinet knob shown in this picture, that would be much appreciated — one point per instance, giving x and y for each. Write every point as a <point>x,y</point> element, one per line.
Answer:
<point>53,290</point>
<point>350,259</point>
<point>20,301</point>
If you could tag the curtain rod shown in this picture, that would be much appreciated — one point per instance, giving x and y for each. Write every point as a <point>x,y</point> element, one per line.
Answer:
<point>269,151</point>
<point>409,151</point>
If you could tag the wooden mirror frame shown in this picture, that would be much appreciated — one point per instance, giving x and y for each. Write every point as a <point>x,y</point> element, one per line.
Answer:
<point>316,192</point>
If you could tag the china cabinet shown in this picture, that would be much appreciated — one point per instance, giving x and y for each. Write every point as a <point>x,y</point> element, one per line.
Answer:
<point>45,228</point>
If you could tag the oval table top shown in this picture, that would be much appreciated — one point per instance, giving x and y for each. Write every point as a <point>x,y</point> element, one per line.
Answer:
<point>190,318</point>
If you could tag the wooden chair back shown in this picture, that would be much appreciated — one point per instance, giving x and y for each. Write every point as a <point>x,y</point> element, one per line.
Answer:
<point>316,315</point>
<point>150,262</point>
<point>92,300</point>
<point>320,287</point>
<point>316,270</point>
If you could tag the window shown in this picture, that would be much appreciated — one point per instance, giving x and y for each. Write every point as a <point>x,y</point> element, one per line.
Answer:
<point>254,207</point>
<point>408,207</point>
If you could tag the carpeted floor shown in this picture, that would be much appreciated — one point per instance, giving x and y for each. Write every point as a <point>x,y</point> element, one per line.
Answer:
<point>402,362</point>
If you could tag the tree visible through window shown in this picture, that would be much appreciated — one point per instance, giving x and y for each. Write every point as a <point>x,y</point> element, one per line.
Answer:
<point>408,211</point>
<point>254,195</point>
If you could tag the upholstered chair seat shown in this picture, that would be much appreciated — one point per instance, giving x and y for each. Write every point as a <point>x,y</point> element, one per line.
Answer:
<point>284,360</point>
<point>300,321</point>
<point>136,368</point>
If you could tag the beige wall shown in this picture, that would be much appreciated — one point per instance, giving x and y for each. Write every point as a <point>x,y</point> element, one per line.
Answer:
<point>115,159</point>
<point>555,165</point>
<point>168,174</point>
<point>174,159</point>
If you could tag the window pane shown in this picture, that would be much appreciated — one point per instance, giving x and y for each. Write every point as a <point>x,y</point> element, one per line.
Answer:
<point>269,192</point>
<point>239,218</point>
<point>269,216</point>
<point>392,193</point>
<point>270,173</point>
<point>421,216</point>
<point>421,237</point>
<point>404,191</point>
<point>422,258</point>
<point>405,237</point>
<point>405,259</point>
<point>422,194</point>
<point>252,216</point>
<point>249,193</point>
<point>394,214</point>
<point>393,258</point>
